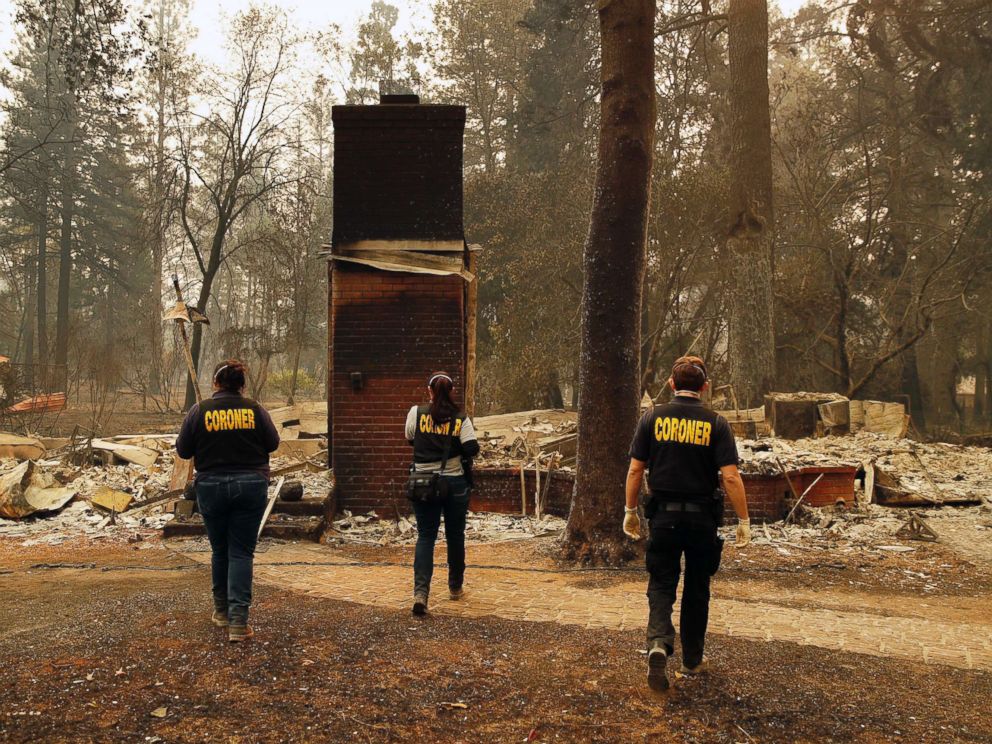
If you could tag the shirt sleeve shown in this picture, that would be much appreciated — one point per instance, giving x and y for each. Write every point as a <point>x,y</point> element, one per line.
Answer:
<point>724,444</point>
<point>470,443</point>
<point>640,447</point>
<point>270,435</point>
<point>411,424</point>
<point>186,441</point>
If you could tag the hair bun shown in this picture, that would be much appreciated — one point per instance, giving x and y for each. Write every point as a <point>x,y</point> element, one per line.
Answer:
<point>230,375</point>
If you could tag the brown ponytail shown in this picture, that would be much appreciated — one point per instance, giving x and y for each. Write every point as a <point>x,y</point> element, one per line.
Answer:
<point>443,407</point>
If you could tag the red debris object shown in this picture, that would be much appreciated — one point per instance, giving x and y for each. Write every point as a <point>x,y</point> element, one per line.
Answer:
<point>835,487</point>
<point>39,404</point>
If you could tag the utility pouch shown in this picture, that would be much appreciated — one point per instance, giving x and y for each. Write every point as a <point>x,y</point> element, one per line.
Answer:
<point>430,487</point>
<point>650,506</point>
<point>422,486</point>
<point>715,555</point>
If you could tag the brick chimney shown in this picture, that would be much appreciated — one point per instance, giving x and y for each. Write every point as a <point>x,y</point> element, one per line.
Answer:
<point>398,276</point>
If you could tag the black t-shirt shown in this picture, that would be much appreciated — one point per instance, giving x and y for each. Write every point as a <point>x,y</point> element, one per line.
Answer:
<point>684,445</point>
<point>228,434</point>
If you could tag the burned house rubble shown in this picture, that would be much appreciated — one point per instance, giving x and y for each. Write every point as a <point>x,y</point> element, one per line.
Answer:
<point>870,488</point>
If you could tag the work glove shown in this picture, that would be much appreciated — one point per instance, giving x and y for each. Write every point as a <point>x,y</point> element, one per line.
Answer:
<point>631,523</point>
<point>743,532</point>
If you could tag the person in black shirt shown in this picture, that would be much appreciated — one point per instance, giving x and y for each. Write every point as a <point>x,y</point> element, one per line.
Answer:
<point>442,437</point>
<point>229,438</point>
<point>685,447</point>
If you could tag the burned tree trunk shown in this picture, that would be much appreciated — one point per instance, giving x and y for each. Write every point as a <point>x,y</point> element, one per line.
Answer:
<point>613,266</point>
<point>750,234</point>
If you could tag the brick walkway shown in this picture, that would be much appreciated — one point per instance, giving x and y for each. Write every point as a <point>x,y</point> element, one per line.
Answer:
<point>620,604</point>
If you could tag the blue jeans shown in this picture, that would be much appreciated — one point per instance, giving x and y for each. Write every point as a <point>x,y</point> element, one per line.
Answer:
<point>232,506</point>
<point>454,508</point>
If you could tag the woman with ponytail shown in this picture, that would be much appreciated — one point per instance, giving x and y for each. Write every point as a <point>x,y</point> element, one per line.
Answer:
<point>442,437</point>
<point>229,438</point>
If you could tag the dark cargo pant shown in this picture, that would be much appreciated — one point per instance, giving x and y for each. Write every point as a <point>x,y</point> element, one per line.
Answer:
<point>664,553</point>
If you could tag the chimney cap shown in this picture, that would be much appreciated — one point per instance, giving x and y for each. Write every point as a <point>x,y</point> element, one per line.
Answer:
<point>402,98</point>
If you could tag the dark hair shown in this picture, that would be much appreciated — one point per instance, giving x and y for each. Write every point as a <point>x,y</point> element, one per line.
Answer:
<point>230,375</point>
<point>689,373</point>
<point>443,408</point>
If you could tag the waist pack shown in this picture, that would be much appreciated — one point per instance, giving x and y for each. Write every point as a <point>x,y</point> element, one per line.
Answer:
<point>426,487</point>
<point>430,487</point>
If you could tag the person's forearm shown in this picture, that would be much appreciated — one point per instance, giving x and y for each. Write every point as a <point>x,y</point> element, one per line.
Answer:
<point>734,488</point>
<point>634,479</point>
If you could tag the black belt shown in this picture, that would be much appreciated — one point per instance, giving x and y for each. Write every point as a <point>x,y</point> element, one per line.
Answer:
<point>678,506</point>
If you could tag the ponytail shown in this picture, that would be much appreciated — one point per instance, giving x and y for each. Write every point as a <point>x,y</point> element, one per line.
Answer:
<point>442,407</point>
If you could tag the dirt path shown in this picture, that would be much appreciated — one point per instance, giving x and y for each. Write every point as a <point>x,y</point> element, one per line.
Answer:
<point>859,623</point>
<point>106,642</point>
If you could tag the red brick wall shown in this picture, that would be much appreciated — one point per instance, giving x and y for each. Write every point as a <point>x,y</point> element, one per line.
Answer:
<point>498,490</point>
<point>837,484</point>
<point>395,329</point>
<point>765,499</point>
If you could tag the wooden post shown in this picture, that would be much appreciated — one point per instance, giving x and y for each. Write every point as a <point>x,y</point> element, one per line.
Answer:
<point>537,485</point>
<point>190,367</point>
<point>471,321</point>
<point>523,489</point>
<point>271,502</point>
<point>182,470</point>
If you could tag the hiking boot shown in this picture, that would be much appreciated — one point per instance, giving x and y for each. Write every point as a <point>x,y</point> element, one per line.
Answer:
<point>239,633</point>
<point>419,604</point>
<point>456,592</point>
<point>657,661</point>
<point>701,668</point>
<point>219,618</point>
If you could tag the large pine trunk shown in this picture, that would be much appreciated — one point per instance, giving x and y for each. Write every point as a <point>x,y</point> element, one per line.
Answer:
<point>68,204</point>
<point>155,370</point>
<point>613,262</point>
<point>65,257</point>
<point>27,324</point>
<point>41,276</point>
<point>750,236</point>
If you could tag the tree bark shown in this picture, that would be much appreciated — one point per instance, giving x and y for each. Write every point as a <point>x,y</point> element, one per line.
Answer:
<point>750,234</point>
<point>27,326</point>
<point>158,239</point>
<point>68,196</point>
<point>65,256</point>
<point>913,388</point>
<point>41,294</point>
<point>613,262</point>
<point>987,361</point>
<point>209,275</point>
<point>983,378</point>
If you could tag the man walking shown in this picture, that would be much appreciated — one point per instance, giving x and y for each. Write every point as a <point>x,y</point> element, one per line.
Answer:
<point>684,446</point>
